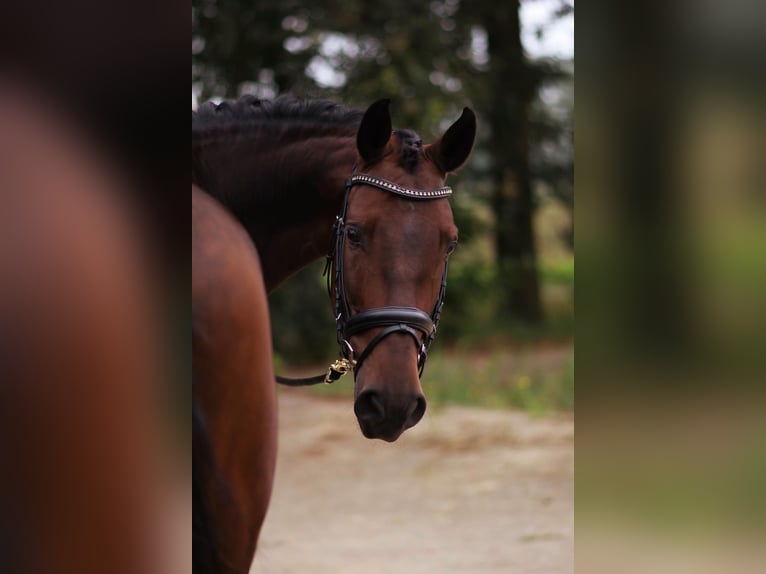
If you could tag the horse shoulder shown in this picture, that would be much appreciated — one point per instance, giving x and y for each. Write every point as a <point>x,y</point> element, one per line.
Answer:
<point>233,372</point>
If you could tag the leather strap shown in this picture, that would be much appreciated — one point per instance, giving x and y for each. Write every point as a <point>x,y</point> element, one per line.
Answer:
<point>385,316</point>
<point>304,382</point>
<point>399,328</point>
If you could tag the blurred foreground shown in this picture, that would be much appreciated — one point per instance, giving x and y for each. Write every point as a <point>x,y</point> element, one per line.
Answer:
<point>94,459</point>
<point>92,290</point>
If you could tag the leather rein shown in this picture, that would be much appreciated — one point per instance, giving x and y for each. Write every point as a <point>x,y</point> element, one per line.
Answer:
<point>409,320</point>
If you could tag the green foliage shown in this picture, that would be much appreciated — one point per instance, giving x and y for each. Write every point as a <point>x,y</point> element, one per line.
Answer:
<point>302,325</point>
<point>520,378</point>
<point>558,272</point>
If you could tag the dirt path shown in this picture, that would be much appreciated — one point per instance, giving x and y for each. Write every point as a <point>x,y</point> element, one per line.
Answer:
<point>466,491</point>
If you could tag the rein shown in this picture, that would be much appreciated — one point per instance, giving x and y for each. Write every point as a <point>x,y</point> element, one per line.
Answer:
<point>417,323</point>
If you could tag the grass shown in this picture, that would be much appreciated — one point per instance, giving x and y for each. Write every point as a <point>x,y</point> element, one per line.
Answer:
<point>536,379</point>
<point>557,272</point>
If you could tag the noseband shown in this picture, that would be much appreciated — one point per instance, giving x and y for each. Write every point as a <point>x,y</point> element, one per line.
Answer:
<point>408,320</point>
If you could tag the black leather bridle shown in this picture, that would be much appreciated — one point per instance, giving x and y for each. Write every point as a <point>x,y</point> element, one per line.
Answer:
<point>420,325</point>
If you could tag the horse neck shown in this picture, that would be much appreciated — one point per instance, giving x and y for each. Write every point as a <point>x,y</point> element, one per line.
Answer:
<point>284,193</point>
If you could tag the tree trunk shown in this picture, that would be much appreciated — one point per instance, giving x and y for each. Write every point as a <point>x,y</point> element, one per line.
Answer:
<point>512,89</point>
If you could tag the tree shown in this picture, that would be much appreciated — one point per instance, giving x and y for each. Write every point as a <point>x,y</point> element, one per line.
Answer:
<point>433,58</point>
<point>509,89</point>
<point>236,43</point>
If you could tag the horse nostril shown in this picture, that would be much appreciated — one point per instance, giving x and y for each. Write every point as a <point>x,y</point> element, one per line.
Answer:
<point>368,407</point>
<point>417,412</point>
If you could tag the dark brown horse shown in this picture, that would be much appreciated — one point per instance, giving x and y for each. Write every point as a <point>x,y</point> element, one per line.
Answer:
<point>277,185</point>
<point>81,486</point>
<point>234,403</point>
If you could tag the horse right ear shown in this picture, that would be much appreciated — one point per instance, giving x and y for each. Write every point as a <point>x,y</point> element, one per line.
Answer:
<point>374,131</point>
<point>452,150</point>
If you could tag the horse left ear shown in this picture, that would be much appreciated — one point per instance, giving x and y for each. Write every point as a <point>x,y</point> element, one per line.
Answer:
<point>374,131</point>
<point>451,151</point>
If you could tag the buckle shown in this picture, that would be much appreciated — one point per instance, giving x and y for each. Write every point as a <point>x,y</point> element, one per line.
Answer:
<point>338,369</point>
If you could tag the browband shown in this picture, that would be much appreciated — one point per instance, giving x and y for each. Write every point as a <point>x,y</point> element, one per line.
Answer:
<point>385,185</point>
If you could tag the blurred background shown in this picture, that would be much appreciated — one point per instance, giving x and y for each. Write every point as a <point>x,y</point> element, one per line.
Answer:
<point>506,336</point>
<point>671,244</point>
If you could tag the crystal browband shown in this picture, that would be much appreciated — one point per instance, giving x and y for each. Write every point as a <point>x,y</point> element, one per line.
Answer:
<point>386,185</point>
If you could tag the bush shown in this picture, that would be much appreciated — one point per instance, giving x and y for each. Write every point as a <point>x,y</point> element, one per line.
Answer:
<point>302,325</point>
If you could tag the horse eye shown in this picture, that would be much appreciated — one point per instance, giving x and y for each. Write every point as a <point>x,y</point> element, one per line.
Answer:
<point>451,247</point>
<point>354,236</point>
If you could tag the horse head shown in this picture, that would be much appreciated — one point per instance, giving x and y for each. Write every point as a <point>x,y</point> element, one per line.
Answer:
<point>396,233</point>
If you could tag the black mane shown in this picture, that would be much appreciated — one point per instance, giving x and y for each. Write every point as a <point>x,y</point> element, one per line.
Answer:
<point>250,112</point>
<point>285,109</point>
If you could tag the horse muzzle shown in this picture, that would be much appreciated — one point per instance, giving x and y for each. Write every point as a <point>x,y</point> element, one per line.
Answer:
<point>386,415</point>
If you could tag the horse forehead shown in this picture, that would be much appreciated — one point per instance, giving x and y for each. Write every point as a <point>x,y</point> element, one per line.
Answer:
<point>402,217</point>
<point>424,174</point>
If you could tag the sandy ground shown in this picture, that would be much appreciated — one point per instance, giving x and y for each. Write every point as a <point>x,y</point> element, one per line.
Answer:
<point>467,491</point>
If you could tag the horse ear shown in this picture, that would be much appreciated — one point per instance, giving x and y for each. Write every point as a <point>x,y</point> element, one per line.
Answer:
<point>374,131</point>
<point>452,150</point>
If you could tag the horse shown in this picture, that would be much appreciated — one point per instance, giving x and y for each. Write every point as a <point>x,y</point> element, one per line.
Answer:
<point>80,490</point>
<point>277,182</point>
<point>234,424</point>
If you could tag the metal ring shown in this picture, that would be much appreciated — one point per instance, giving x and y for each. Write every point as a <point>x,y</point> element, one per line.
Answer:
<point>349,347</point>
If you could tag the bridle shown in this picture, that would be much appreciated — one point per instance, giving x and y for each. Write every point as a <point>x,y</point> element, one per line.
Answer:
<point>420,325</point>
<point>410,320</point>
